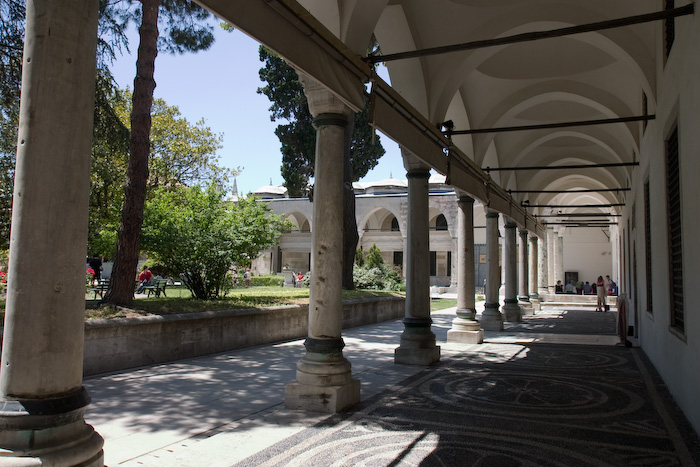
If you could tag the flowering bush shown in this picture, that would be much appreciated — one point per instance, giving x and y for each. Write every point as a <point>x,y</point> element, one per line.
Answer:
<point>89,275</point>
<point>3,282</point>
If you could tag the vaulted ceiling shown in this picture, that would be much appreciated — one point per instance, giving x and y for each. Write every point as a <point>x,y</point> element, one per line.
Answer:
<point>598,75</point>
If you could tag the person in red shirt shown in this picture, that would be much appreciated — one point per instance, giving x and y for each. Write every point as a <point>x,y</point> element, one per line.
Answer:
<point>144,278</point>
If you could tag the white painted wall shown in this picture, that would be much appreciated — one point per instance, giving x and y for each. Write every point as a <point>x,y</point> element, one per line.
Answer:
<point>675,355</point>
<point>588,252</point>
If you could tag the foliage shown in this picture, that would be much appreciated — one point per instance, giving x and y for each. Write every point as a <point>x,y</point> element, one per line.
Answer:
<point>111,40</point>
<point>267,281</point>
<point>195,232</point>
<point>374,259</point>
<point>175,26</point>
<point>181,153</point>
<point>12,40</point>
<point>298,137</point>
<point>374,274</point>
<point>359,257</point>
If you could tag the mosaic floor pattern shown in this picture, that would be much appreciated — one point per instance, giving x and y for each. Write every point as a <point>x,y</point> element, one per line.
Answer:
<point>507,405</point>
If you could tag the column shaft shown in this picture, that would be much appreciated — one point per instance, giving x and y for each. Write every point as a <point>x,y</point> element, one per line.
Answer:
<point>465,328</point>
<point>511,310</point>
<point>533,258</point>
<point>543,266</point>
<point>552,277</point>
<point>523,263</point>
<point>42,401</point>
<point>491,319</point>
<point>417,340</point>
<point>323,379</point>
<point>559,255</point>
<point>523,274</point>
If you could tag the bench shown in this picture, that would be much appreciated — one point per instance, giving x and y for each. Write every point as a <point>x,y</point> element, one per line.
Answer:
<point>156,287</point>
<point>99,288</point>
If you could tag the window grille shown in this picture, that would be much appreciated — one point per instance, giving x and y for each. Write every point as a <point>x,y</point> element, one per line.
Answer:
<point>673,195</point>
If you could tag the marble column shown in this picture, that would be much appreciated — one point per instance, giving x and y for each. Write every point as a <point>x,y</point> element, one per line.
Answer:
<point>42,400</point>
<point>552,277</point>
<point>523,274</point>
<point>542,267</point>
<point>491,319</point>
<point>465,327</point>
<point>324,380</point>
<point>533,268</point>
<point>417,340</point>
<point>511,309</point>
<point>559,259</point>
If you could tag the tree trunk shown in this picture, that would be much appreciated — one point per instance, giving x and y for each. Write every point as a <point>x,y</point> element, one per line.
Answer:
<point>121,291</point>
<point>350,235</point>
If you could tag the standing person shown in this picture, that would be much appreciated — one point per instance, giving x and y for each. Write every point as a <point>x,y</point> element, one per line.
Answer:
<point>600,290</point>
<point>247,276</point>
<point>144,278</point>
<point>608,284</point>
<point>96,265</point>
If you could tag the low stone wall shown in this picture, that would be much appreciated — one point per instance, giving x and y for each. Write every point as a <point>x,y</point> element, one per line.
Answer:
<point>117,344</point>
<point>577,299</point>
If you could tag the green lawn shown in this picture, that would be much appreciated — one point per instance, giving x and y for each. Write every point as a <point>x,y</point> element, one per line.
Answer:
<point>179,301</point>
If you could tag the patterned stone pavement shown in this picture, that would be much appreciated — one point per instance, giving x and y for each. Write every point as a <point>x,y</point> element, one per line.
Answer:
<point>552,390</point>
<point>508,405</point>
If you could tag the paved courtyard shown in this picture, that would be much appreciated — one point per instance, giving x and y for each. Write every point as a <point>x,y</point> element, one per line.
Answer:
<point>554,390</point>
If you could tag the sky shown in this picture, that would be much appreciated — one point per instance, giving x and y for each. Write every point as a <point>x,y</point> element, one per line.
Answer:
<point>220,86</point>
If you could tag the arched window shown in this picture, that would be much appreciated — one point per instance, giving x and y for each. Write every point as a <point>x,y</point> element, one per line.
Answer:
<point>441,223</point>
<point>395,225</point>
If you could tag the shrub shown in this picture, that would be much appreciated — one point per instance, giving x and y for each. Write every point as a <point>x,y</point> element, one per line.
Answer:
<point>374,274</point>
<point>266,281</point>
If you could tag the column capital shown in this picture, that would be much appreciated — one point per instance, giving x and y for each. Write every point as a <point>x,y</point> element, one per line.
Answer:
<point>320,99</point>
<point>490,213</point>
<point>510,223</point>
<point>418,173</point>
<point>326,119</point>
<point>465,199</point>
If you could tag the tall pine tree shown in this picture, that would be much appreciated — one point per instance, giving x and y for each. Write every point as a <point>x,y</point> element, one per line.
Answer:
<point>185,29</point>
<point>298,138</point>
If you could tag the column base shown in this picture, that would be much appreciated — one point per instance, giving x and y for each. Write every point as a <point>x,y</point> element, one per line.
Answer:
<point>417,344</point>
<point>40,432</point>
<point>465,331</point>
<point>324,379</point>
<point>412,356</point>
<point>512,312</point>
<point>527,307</point>
<point>326,399</point>
<point>536,304</point>
<point>491,318</point>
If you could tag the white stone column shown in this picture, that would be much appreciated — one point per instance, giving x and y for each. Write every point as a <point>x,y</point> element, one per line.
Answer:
<point>542,267</point>
<point>523,274</point>
<point>465,327</point>
<point>491,319</point>
<point>511,309</point>
<point>533,258</point>
<point>551,277</point>
<point>42,401</point>
<point>559,259</point>
<point>417,340</point>
<point>324,380</point>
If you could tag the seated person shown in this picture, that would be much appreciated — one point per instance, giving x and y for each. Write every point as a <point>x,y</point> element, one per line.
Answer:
<point>570,287</point>
<point>587,289</point>
<point>145,277</point>
<point>559,288</point>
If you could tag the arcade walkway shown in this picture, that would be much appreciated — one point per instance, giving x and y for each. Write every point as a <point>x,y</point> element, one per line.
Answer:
<point>554,390</point>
